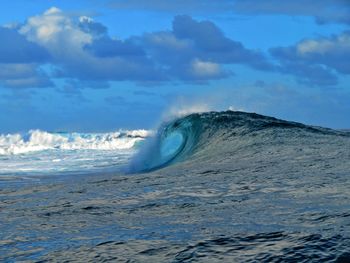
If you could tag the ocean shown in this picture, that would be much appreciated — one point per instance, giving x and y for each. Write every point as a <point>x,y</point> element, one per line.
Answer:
<point>208,187</point>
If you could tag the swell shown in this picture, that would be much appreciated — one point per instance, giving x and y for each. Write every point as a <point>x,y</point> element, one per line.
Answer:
<point>212,134</point>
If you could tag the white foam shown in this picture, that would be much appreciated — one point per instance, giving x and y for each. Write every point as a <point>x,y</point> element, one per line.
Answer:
<point>36,140</point>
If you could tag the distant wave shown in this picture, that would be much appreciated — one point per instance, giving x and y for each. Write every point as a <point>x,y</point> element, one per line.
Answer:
<point>36,140</point>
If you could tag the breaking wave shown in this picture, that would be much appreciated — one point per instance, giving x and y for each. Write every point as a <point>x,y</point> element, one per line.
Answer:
<point>36,140</point>
<point>41,153</point>
<point>213,134</point>
<point>174,141</point>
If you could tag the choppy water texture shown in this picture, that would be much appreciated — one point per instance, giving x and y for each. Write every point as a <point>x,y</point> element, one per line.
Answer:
<point>231,187</point>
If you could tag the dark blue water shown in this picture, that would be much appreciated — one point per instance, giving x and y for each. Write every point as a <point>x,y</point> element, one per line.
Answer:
<point>212,187</point>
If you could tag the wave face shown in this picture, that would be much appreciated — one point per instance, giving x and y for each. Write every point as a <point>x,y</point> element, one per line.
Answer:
<point>214,135</point>
<point>40,153</point>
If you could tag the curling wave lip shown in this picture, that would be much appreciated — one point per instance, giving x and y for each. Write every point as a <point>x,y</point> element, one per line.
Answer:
<point>173,142</point>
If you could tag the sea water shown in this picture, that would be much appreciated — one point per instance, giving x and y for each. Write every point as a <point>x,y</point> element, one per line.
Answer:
<point>211,187</point>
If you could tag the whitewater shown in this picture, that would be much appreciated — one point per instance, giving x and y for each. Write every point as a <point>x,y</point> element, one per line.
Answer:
<point>207,187</point>
<point>40,153</point>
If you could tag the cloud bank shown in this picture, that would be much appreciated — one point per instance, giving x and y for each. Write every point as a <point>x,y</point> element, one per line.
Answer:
<point>56,45</point>
<point>80,48</point>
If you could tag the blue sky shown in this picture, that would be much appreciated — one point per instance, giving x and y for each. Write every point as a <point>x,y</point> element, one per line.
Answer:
<point>101,65</point>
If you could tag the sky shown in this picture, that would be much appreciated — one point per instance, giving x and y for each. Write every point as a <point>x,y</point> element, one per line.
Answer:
<point>103,65</point>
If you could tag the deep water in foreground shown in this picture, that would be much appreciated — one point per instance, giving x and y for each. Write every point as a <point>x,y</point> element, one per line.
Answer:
<point>227,187</point>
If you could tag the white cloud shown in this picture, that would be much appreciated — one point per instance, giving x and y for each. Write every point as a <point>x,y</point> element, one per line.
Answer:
<point>322,46</point>
<point>205,69</point>
<point>66,41</point>
<point>80,48</point>
<point>85,19</point>
<point>56,31</point>
<point>169,40</point>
